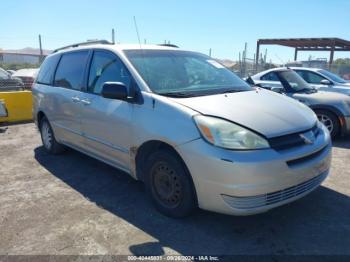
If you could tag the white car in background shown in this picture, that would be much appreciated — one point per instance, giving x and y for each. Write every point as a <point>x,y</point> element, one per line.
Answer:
<point>318,78</point>
<point>323,80</point>
<point>331,108</point>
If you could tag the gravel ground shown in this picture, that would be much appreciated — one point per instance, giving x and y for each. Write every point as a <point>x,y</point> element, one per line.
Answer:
<point>73,204</point>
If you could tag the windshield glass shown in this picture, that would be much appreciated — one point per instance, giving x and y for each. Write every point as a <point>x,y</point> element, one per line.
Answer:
<point>3,74</point>
<point>293,81</point>
<point>333,77</point>
<point>175,72</point>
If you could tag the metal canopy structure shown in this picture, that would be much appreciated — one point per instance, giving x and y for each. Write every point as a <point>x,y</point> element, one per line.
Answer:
<point>307,44</point>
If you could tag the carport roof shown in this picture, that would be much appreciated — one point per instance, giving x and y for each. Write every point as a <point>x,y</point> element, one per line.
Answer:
<point>306,44</point>
<point>310,44</point>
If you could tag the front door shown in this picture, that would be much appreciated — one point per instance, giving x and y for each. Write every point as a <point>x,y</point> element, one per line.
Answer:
<point>106,123</point>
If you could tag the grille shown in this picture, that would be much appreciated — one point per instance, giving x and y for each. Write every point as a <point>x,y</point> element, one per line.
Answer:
<point>304,159</point>
<point>291,140</point>
<point>275,197</point>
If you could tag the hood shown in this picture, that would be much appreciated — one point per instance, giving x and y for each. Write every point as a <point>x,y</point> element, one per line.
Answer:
<point>266,112</point>
<point>322,97</point>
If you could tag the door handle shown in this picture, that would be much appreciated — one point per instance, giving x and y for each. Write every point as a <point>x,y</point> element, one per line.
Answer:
<point>75,99</point>
<point>85,102</point>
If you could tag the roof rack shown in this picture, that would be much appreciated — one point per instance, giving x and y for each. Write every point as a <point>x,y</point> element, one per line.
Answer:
<point>104,42</point>
<point>169,45</point>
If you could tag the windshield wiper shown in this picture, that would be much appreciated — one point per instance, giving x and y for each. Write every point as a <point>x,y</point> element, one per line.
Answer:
<point>232,91</point>
<point>176,94</point>
<point>307,90</point>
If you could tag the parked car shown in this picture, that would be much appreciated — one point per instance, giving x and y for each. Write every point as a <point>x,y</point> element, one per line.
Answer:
<point>317,78</point>
<point>11,72</point>
<point>324,80</point>
<point>27,76</point>
<point>9,83</point>
<point>332,109</point>
<point>190,129</point>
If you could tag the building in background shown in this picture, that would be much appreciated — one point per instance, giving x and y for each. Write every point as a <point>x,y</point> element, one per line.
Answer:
<point>22,56</point>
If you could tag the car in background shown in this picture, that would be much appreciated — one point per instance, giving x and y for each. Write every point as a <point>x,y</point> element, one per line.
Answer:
<point>332,109</point>
<point>11,72</point>
<point>317,78</point>
<point>9,83</point>
<point>27,76</point>
<point>190,129</point>
<point>323,79</point>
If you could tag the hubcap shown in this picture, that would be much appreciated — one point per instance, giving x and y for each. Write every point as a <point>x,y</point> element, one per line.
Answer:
<point>326,121</point>
<point>46,135</point>
<point>166,184</point>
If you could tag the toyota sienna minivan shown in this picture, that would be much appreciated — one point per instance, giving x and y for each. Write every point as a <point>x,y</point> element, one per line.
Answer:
<point>191,130</point>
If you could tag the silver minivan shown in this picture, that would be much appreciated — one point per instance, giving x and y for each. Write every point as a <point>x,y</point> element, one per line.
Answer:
<point>191,130</point>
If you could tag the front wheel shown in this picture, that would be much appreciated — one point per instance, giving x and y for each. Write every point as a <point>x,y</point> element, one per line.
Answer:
<point>169,184</point>
<point>330,121</point>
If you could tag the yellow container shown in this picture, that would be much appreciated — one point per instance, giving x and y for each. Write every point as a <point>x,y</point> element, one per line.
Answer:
<point>19,106</point>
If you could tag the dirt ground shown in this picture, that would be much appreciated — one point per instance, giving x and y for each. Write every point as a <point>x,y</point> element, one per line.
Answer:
<point>73,204</point>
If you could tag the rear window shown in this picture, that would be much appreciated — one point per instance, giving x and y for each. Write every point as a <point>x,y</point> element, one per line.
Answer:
<point>70,70</point>
<point>47,70</point>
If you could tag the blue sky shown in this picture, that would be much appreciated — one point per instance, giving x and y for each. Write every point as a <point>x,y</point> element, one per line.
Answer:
<point>223,25</point>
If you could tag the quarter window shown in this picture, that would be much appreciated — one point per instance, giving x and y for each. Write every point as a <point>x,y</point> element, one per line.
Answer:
<point>106,67</point>
<point>270,77</point>
<point>70,70</point>
<point>47,70</point>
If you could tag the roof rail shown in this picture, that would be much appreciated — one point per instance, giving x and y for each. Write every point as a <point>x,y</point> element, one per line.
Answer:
<point>169,45</point>
<point>104,42</point>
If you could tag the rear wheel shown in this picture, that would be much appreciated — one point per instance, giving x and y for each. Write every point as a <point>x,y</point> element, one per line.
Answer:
<point>330,120</point>
<point>48,138</point>
<point>169,184</point>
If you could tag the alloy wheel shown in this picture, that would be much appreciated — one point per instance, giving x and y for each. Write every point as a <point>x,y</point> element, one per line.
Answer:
<point>46,135</point>
<point>324,119</point>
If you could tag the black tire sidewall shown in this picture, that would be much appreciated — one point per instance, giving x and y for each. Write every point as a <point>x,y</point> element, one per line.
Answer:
<point>188,200</point>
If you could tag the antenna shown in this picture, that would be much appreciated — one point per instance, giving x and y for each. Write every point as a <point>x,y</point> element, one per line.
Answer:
<point>283,63</point>
<point>142,53</point>
<point>137,31</point>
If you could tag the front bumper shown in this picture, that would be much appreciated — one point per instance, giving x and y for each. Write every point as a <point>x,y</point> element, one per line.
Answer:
<point>250,182</point>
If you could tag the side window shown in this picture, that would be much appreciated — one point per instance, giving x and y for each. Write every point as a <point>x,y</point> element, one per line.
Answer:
<point>314,78</point>
<point>106,67</point>
<point>272,76</point>
<point>70,70</point>
<point>302,75</point>
<point>47,70</point>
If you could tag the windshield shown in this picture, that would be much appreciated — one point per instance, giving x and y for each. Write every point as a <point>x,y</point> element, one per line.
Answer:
<point>333,77</point>
<point>292,81</point>
<point>182,73</point>
<point>3,74</point>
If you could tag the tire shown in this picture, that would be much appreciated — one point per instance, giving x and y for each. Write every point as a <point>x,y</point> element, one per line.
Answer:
<point>169,184</point>
<point>330,120</point>
<point>48,138</point>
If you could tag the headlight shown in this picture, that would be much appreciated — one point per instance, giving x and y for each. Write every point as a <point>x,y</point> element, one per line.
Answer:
<point>225,134</point>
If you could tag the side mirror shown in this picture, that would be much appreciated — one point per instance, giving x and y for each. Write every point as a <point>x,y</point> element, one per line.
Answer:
<point>325,82</point>
<point>115,90</point>
<point>277,89</point>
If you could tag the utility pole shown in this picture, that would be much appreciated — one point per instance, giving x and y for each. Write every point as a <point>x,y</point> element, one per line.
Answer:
<point>41,50</point>
<point>113,36</point>
<point>210,52</point>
